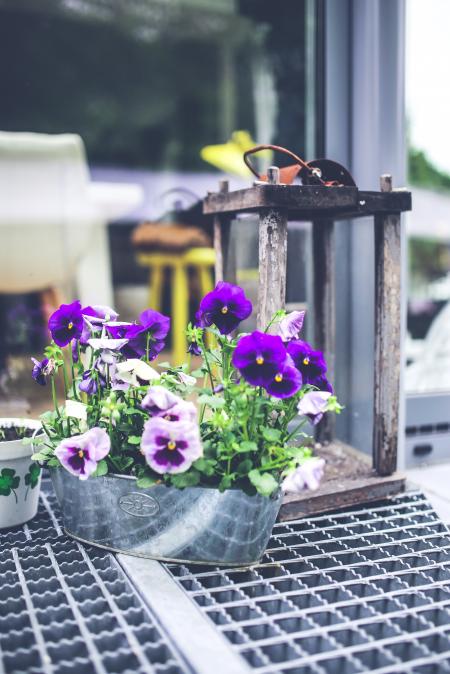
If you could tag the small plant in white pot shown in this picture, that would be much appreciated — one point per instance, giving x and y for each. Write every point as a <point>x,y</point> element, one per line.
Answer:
<point>19,476</point>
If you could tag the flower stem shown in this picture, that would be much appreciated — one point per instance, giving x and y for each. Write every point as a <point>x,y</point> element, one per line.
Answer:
<point>207,366</point>
<point>66,381</point>
<point>296,429</point>
<point>147,347</point>
<point>54,398</point>
<point>72,368</point>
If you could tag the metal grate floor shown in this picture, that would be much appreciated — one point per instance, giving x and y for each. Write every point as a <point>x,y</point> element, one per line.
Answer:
<point>362,590</point>
<point>69,609</point>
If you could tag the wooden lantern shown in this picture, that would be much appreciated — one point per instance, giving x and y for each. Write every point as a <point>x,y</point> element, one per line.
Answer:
<point>350,478</point>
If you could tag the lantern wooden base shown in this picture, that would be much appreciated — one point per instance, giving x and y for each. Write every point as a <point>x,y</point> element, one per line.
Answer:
<point>349,480</point>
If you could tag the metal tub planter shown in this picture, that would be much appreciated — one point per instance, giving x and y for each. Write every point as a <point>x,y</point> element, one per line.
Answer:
<point>195,525</point>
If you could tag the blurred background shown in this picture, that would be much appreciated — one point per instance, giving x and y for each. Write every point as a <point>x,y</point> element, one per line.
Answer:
<point>116,118</point>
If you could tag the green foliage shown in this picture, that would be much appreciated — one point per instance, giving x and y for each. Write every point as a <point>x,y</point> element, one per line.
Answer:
<point>248,442</point>
<point>32,477</point>
<point>423,173</point>
<point>9,481</point>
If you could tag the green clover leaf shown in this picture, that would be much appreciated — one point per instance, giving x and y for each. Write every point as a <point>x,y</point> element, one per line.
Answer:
<point>9,481</point>
<point>32,477</point>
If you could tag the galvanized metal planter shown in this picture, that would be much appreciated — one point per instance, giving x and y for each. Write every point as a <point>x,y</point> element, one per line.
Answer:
<point>195,525</point>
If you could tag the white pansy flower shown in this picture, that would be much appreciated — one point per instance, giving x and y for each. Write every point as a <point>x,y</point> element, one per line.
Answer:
<point>76,410</point>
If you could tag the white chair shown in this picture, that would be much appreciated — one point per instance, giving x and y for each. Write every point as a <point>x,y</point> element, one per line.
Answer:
<point>53,219</point>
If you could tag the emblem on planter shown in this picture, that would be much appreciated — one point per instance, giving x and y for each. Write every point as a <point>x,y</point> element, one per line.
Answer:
<point>139,505</point>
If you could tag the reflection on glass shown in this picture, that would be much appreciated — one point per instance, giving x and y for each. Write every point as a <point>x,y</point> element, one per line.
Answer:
<point>141,87</point>
<point>428,339</point>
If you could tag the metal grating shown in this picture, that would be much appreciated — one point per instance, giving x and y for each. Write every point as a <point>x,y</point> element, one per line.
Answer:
<point>362,590</point>
<point>67,609</point>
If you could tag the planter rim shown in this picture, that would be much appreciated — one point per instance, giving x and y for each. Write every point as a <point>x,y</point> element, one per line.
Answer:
<point>16,449</point>
<point>196,486</point>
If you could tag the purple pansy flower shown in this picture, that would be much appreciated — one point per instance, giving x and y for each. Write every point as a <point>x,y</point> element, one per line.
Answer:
<point>66,323</point>
<point>323,384</point>
<point>80,454</point>
<point>99,313</point>
<point>225,307</point>
<point>310,363</point>
<point>117,329</point>
<point>259,357</point>
<point>313,405</point>
<point>159,399</point>
<point>194,348</point>
<point>290,326</point>
<point>107,347</point>
<point>89,383</point>
<point>152,326</point>
<point>181,411</point>
<point>170,446</point>
<point>306,476</point>
<point>40,370</point>
<point>286,382</point>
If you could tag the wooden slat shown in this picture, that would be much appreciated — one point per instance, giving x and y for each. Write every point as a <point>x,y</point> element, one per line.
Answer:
<point>272,264</point>
<point>225,264</point>
<point>309,202</point>
<point>272,259</point>
<point>324,307</point>
<point>290,197</point>
<point>349,480</point>
<point>387,339</point>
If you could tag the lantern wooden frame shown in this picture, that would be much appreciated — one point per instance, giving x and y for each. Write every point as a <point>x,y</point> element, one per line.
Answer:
<point>350,477</point>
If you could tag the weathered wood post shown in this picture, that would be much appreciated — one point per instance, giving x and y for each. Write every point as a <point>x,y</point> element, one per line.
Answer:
<point>387,337</point>
<point>225,265</point>
<point>324,306</point>
<point>272,258</point>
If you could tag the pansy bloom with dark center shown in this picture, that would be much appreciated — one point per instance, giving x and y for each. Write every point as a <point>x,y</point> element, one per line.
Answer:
<point>259,357</point>
<point>225,307</point>
<point>310,363</point>
<point>170,446</point>
<point>286,382</point>
<point>152,329</point>
<point>66,323</point>
<point>80,454</point>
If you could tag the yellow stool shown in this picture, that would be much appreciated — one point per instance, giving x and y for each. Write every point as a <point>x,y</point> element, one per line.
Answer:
<point>202,259</point>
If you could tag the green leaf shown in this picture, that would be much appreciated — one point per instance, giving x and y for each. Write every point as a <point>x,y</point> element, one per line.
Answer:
<point>197,373</point>
<point>134,440</point>
<point>244,467</point>
<point>205,466</point>
<point>271,434</point>
<point>165,363</point>
<point>134,410</point>
<point>8,481</point>
<point>32,477</point>
<point>247,446</point>
<point>102,469</point>
<point>188,479</point>
<point>226,482</point>
<point>146,481</point>
<point>265,483</point>
<point>211,401</point>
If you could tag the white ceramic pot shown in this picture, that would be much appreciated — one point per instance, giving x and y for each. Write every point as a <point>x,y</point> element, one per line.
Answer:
<point>20,477</point>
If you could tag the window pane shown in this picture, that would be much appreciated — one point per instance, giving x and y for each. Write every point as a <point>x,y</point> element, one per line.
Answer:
<point>428,341</point>
<point>145,84</point>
